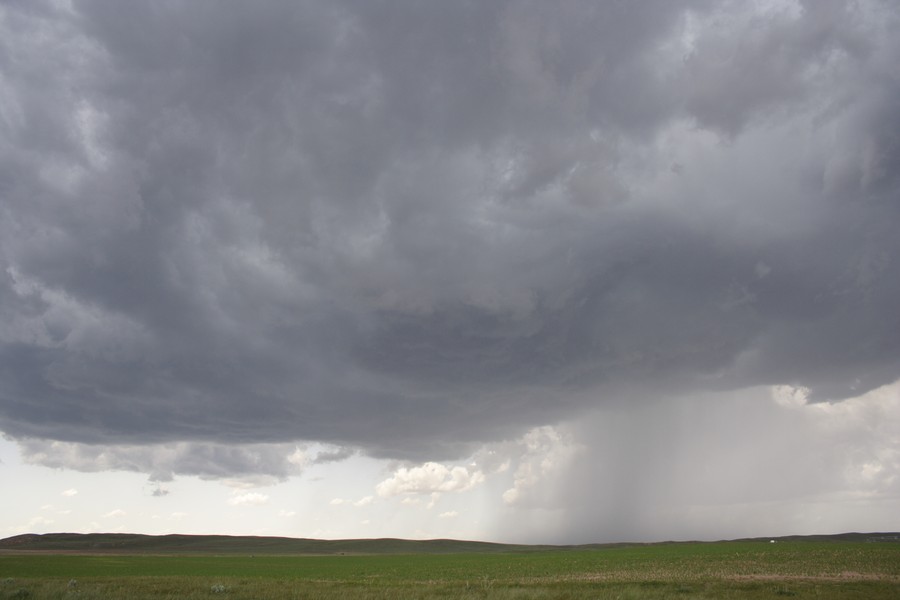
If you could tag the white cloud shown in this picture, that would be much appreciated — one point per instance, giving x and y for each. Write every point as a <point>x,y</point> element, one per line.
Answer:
<point>430,478</point>
<point>115,513</point>
<point>337,501</point>
<point>450,514</point>
<point>287,513</point>
<point>249,499</point>
<point>364,501</point>
<point>298,458</point>
<point>789,396</point>
<point>70,492</point>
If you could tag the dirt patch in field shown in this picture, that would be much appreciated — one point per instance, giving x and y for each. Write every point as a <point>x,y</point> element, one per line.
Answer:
<point>842,576</point>
<point>631,576</point>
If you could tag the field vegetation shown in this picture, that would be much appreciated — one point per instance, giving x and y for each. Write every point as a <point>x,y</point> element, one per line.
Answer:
<point>824,568</point>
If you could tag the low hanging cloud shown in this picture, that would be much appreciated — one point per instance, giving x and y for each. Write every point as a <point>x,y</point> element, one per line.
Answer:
<point>241,464</point>
<point>413,229</point>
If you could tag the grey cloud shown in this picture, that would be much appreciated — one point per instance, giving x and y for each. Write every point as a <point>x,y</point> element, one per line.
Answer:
<point>334,455</point>
<point>749,65</point>
<point>252,463</point>
<point>412,228</point>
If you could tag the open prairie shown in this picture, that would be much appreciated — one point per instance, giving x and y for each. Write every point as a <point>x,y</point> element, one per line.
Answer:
<point>387,569</point>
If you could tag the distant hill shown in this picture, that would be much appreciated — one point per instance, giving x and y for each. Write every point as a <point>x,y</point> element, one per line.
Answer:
<point>131,543</point>
<point>836,537</point>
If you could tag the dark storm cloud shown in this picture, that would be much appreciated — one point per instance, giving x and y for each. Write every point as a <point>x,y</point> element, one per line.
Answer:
<point>411,227</point>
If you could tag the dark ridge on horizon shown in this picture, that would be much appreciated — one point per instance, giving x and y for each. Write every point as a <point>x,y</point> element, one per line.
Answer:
<point>132,543</point>
<point>180,543</point>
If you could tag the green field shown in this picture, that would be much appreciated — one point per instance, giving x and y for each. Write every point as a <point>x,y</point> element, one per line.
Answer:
<point>740,569</point>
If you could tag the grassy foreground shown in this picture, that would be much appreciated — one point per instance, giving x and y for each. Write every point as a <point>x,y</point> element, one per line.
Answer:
<point>750,569</point>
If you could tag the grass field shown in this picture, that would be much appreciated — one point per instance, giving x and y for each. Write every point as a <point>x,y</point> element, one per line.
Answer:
<point>751,569</point>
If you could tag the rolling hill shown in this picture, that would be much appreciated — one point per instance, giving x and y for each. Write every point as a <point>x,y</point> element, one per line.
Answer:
<point>130,543</point>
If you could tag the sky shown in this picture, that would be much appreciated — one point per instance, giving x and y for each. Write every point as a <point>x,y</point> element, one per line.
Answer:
<point>515,271</point>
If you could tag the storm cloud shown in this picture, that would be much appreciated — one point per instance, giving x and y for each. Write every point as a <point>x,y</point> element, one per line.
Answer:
<point>415,228</point>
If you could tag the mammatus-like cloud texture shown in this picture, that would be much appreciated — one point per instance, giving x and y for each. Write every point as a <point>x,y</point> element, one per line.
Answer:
<point>416,227</point>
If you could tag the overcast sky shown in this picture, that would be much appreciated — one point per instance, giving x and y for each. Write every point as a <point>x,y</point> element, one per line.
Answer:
<point>520,271</point>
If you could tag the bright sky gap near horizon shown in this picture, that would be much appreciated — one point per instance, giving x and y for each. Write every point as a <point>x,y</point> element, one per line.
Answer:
<point>517,271</point>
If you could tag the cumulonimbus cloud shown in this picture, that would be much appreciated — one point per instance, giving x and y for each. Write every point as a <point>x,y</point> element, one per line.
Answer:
<point>413,230</point>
